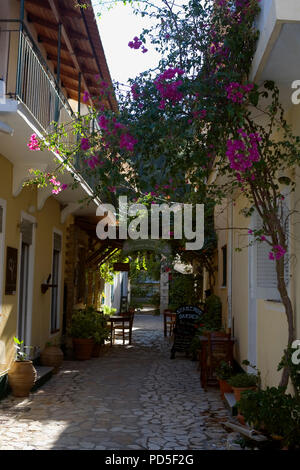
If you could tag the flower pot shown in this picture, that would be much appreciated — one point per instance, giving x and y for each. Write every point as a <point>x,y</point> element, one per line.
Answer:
<point>21,378</point>
<point>97,350</point>
<point>52,356</point>
<point>83,348</point>
<point>238,391</point>
<point>224,387</point>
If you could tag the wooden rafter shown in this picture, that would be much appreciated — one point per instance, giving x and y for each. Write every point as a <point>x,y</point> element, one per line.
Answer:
<point>65,34</point>
<point>54,26</point>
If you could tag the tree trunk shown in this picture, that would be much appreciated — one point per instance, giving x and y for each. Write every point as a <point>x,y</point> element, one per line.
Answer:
<point>281,284</point>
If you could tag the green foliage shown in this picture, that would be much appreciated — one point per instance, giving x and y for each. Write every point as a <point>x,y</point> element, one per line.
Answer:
<point>243,380</point>
<point>273,412</point>
<point>182,290</point>
<point>108,310</point>
<point>294,369</point>
<point>212,318</point>
<point>88,323</point>
<point>21,355</point>
<point>224,371</point>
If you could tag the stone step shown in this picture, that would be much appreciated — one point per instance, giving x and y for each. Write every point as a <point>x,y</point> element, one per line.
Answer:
<point>43,375</point>
<point>230,402</point>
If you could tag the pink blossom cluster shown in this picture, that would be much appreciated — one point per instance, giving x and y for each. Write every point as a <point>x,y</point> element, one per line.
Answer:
<point>134,92</point>
<point>198,115</point>
<point>94,161</point>
<point>243,152</point>
<point>33,143</point>
<point>277,253</point>
<point>127,141</point>
<point>136,44</point>
<point>169,90</point>
<point>57,186</point>
<point>237,92</point>
<point>85,144</point>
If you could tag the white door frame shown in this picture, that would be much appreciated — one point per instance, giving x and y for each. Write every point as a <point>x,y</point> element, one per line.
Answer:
<point>59,232</point>
<point>252,299</point>
<point>31,261</point>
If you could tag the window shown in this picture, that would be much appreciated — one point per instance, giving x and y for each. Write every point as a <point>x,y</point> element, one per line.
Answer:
<point>55,301</point>
<point>224,266</point>
<point>266,269</point>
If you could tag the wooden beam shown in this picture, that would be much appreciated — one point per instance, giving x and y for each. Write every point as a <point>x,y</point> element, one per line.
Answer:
<point>65,34</point>
<point>54,27</point>
<point>39,3</point>
<point>51,42</point>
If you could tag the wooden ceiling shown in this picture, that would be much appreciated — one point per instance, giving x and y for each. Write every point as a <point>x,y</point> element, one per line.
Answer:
<point>81,47</point>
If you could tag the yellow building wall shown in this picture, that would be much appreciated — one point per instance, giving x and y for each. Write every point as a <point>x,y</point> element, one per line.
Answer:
<point>271,340</point>
<point>47,219</point>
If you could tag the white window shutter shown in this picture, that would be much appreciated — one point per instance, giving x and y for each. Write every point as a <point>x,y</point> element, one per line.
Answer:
<point>266,268</point>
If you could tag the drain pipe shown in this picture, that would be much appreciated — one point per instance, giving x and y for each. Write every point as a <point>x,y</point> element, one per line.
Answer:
<point>6,129</point>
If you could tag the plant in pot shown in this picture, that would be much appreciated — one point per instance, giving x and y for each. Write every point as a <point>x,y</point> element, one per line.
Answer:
<point>101,333</point>
<point>240,383</point>
<point>274,413</point>
<point>82,330</point>
<point>52,356</point>
<point>22,374</point>
<point>224,372</point>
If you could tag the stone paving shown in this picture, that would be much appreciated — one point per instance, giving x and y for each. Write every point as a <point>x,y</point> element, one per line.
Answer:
<point>133,397</point>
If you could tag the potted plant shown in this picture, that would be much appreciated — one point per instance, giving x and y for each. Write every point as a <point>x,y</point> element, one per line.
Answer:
<point>82,331</point>
<point>52,356</point>
<point>242,382</point>
<point>224,372</point>
<point>22,374</point>
<point>101,333</point>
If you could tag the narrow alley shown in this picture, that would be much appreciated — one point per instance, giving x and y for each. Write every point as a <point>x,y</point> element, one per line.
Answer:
<point>133,397</point>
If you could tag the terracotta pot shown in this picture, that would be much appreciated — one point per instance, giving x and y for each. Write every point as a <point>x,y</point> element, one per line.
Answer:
<point>52,356</point>
<point>97,350</point>
<point>83,348</point>
<point>21,378</point>
<point>238,391</point>
<point>224,387</point>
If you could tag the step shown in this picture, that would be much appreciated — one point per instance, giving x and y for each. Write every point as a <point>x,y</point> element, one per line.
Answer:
<point>230,402</point>
<point>43,375</point>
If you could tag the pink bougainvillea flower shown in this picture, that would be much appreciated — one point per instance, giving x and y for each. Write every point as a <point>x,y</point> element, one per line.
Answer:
<point>85,144</point>
<point>33,143</point>
<point>271,255</point>
<point>127,141</point>
<point>86,97</point>
<point>263,238</point>
<point>250,232</point>
<point>112,189</point>
<point>93,162</point>
<point>64,186</point>
<point>103,122</point>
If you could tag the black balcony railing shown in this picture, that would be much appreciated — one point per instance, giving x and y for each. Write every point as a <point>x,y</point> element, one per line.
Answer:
<point>34,85</point>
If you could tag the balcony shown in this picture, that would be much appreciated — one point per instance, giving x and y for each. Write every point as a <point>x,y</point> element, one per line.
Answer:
<point>278,48</point>
<point>31,100</point>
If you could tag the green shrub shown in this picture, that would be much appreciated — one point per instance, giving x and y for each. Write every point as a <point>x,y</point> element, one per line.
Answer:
<point>243,380</point>
<point>273,412</point>
<point>224,371</point>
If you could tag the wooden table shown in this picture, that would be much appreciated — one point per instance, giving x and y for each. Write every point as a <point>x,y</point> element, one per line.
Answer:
<point>172,317</point>
<point>120,319</point>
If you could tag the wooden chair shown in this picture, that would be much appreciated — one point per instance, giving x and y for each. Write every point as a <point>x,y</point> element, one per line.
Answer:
<point>123,328</point>
<point>215,349</point>
<point>169,322</point>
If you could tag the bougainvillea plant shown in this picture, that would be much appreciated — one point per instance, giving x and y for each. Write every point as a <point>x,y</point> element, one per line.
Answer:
<point>187,130</point>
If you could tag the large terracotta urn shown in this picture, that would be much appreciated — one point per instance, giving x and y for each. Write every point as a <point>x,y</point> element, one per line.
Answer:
<point>21,378</point>
<point>83,348</point>
<point>52,356</point>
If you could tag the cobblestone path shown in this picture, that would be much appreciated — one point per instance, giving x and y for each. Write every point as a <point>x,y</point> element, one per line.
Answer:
<point>130,398</point>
